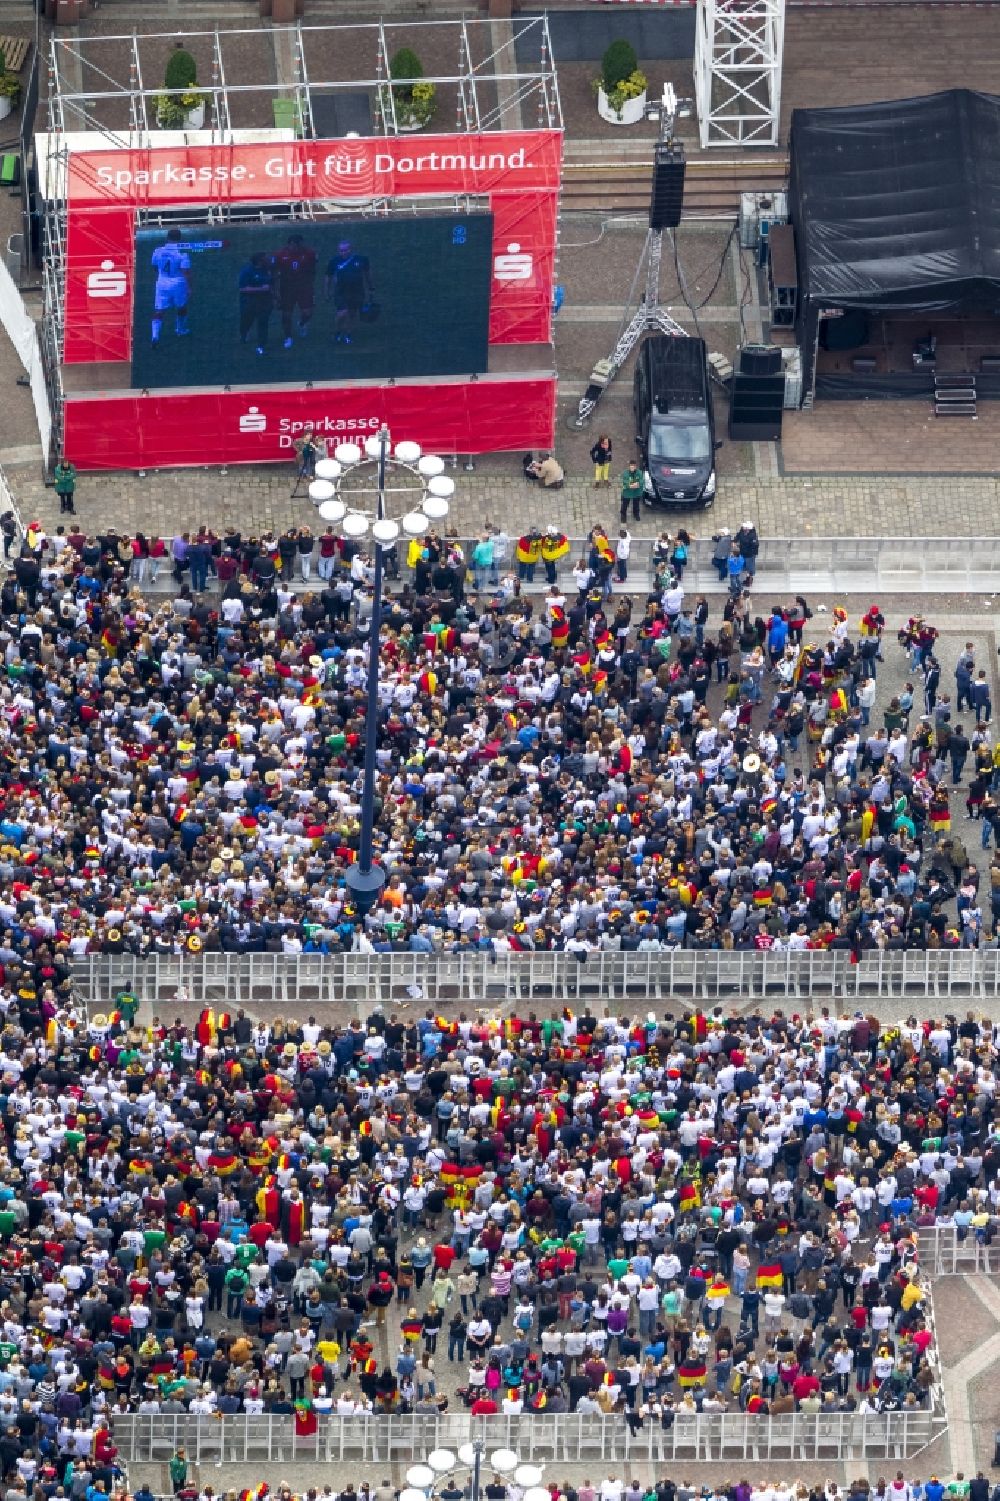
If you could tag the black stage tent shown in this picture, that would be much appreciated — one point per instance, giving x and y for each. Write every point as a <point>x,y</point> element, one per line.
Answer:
<point>896,209</point>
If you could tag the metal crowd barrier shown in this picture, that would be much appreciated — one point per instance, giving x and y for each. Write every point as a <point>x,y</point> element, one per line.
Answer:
<point>945,1253</point>
<point>884,983</point>
<point>827,565</point>
<point>570,1438</point>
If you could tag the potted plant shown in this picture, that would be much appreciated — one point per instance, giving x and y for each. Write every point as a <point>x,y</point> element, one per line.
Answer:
<point>413,99</point>
<point>621,88</point>
<point>181,106</point>
<point>10,88</point>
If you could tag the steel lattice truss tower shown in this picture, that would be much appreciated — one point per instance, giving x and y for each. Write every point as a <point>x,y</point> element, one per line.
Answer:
<point>737,71</point>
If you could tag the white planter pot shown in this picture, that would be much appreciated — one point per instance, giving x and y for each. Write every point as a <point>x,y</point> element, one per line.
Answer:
<point>195,118</point>
<point>632,110</point>
<point>6,105</point>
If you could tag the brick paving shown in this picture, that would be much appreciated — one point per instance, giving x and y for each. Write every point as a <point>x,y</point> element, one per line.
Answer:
<point>860,506</point>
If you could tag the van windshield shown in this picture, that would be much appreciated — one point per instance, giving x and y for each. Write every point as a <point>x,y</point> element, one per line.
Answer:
<point>679,444</point>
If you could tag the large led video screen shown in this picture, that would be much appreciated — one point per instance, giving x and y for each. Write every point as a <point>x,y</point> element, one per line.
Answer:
<point>337,299</point>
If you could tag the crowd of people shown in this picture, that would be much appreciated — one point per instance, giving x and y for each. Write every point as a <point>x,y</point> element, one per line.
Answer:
<point>649,1217</point>
<point>577,770</point>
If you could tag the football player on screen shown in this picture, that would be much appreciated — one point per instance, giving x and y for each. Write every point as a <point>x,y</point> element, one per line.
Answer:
<point>173,287</point>
<point>294,268</point>
<point>349,285</point>
<point>256,289</point>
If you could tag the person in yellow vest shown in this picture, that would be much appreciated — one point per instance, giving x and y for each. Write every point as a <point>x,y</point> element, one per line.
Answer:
<point>555,545</point>
<point>529,551</point>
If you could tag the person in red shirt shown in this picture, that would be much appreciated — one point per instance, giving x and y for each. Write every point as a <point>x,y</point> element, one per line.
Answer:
<point>294,267</point>
<point>444,1255</point>
<point>483,1405</point>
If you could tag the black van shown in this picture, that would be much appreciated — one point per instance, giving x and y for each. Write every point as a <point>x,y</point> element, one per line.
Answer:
<point>674,421</point>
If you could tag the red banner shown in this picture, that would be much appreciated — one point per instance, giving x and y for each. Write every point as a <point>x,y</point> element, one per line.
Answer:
<point>517,171</point>
<point>99,267</point>
<point>515,161</point>
<point>147,432</point>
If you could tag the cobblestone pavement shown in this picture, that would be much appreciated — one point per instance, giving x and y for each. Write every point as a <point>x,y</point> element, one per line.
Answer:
<point>258,498</point>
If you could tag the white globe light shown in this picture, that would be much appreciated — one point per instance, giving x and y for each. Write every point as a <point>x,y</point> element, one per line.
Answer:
<point>320,490</point>
<point>411,1493</point>
<point>430,465</point>
<point>328,469</point>
<point>414,525</point>
<point>354,524</point>
<point>535,1492</point>
<point>373,447</point>
<point>467,1454</point>
<point>439,1459</point>
<point>528,1476</point>
<point>385,531</point>
<point>347,453</point>
<point>420,1476</point>
<point>332,510</point>
<point>504,1461</point>
<point>407,452</point>
<point>436,507</point>
<point>442,486</point>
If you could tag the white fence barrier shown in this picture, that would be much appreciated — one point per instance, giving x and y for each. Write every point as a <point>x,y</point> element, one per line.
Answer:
<point>884,983</point>
<point>23,334</point>
<point>946,1253</point>
<point>810,565</point>
<point>569,1438</point>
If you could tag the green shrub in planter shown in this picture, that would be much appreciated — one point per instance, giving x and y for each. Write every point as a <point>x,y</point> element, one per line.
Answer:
<point>618,63</point>
<point>10,84</point>
<point>412,98</point>
<point>182,72</point>
<point>405,67</point>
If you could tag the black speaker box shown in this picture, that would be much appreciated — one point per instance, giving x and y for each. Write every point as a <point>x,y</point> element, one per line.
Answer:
<point>755,406</point>
<point>760,359</point>
<point>667,198</point>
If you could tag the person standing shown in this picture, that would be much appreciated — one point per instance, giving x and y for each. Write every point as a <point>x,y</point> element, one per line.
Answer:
<point>623,547</point>
<point>632,487</point>
<point>555,545</point>
<point>178,1470</point>
<point>65,478</point>
<point>600,457</point>
<point>749,545</point>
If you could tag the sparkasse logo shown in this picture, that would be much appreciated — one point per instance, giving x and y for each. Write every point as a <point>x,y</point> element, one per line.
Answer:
<point>107,282</point>
<point>514,264</point>
<point>253,421</point>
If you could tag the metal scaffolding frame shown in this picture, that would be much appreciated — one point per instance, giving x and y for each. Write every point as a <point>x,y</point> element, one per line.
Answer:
<point>98,85</point>
<point>737,71</point>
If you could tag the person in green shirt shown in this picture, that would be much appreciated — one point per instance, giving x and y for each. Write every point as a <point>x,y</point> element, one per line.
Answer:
<point>552,1026</point>
<point>671,1305</point>
<point>633,483</point>
<point>65,478</point>
<point>178,1470</point>
<point>237,1282</point>
<point>618,1266</point>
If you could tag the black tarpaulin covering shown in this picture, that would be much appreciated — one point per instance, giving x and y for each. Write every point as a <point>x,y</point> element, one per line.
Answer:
<point>896,207</point>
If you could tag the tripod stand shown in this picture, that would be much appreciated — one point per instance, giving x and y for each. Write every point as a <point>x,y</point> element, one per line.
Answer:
<point>643,313</point>
<point>303,475</point>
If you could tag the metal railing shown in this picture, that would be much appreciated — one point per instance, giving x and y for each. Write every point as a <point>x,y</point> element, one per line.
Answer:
<point>570,1438</point>
<point>947,1252</point>
<point>886,983</point>
<point>806,564</point>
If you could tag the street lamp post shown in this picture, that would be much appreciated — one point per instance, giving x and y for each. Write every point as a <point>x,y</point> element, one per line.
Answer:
<point>423,1479</point>
<point>351,490</point>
